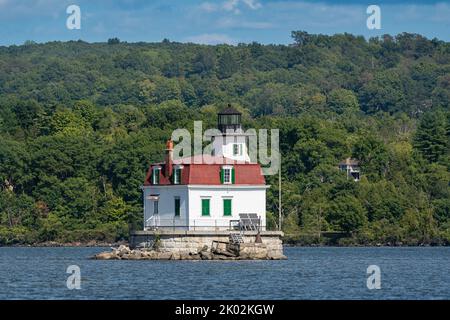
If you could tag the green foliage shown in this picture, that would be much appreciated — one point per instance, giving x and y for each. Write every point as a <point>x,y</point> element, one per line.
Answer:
<point>432,136</point>
<point>79,124</point>
<point>343,101</point>
<point>347,213</point>
<point>373,155</point>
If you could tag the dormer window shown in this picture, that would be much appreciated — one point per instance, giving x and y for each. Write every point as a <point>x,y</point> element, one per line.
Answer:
<point>227,175</point>
<point>155,175</point>
<point>177,174</point>
<point>237,149</point>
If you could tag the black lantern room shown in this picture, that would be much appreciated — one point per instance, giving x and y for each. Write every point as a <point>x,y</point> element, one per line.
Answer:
<point>229,118</point>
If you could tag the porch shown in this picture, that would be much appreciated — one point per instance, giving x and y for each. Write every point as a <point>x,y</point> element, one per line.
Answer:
<point>246,222</point>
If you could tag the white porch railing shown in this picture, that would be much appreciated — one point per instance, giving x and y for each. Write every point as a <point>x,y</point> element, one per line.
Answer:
<point>176,223</point>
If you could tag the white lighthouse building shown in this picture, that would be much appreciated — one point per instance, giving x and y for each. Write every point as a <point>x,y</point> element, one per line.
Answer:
<point>227,192</point>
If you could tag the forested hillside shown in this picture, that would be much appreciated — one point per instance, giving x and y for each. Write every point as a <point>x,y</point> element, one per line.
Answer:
<point>80,122</point>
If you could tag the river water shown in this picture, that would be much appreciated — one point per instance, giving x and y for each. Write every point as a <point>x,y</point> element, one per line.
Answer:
<point>309,273</point>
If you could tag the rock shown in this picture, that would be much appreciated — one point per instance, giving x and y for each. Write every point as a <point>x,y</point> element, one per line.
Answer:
<point>121,251</point>
<point>245,251</point>
<point>105,256</point>
<point>276,256</point>
<point>224,253</point>
<point>206,255</point>
<point>186,256</point>
<point>135,255</point>
<point>253,251</point>
<point>222,257</point>
<point>125,256</point>
<point>163,255</point>
<point>149,255</point>
<point>175,256</point>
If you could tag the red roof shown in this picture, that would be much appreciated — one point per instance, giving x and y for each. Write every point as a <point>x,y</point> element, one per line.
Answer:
<point>203,173</point>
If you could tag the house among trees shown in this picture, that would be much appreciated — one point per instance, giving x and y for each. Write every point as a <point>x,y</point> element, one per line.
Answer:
<point>217,192</point>
<point>351,167</point>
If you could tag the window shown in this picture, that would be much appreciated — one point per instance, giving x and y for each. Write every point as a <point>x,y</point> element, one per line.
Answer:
<point>227,207</point>
<point>237,149</point>
<point>205,207</point>
<point>155,207</point>
<point>177,176</point>
<point>155,175</point>
<point>177,207</point>
<point>227,175</point>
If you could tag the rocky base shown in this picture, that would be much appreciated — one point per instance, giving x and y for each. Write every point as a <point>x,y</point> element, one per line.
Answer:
<point>247,252</point>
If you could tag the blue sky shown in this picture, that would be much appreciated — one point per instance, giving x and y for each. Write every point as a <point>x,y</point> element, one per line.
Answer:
<point>214,21</point>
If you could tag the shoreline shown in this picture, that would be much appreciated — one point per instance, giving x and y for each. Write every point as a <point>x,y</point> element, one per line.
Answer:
<point>52,244</point>
<point>94,244</point>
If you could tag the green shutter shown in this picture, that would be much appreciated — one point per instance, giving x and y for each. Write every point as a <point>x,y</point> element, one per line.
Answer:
<point>179,176</point>
<point>232,176</point>
<point>156,173</point>
<point>227,207</point>
<point>205,207</point>
<point>221,175</point>
<point>177,207</point>
<point>174,172</point>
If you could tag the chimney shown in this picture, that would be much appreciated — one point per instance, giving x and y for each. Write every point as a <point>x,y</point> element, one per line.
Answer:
<point>169,158</point>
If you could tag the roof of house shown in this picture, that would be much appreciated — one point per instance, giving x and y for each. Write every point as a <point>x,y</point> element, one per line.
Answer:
<point>349,162</point>
<point>207,172</point>
<point>229,110</point>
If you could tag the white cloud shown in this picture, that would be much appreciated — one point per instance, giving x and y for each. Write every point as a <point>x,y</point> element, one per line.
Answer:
<point>312,15</point>
<point>208,7</point>
<point>252,4</point>
<point>211,38</point>
<point>230,22</point>
<point>230,5</point>
<point>233,6</point>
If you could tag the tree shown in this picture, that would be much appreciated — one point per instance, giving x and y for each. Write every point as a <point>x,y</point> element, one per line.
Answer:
<point>347,213</point>
<point>384,93</point>
<point>301,37</point>
<point>227,65</point>
<point>14,161</point>
<point>372,154</point>
<point>343,101</point>
<point>80,123</point>
<point>113,41</point>
<point>204,62</point>
<point>431,138</point>
<point>65,121</point>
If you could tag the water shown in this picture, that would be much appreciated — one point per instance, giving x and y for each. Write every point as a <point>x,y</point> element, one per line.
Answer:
<point>309,273</point>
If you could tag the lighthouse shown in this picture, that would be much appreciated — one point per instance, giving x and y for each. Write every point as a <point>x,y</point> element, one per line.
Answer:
<point>231,142</point>
<point>226,194</point>
<point>214,209</point>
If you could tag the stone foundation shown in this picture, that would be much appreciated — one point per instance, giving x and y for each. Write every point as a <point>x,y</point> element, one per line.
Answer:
<point>193,243</point>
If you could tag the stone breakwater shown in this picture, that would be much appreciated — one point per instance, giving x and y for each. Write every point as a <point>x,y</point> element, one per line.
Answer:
<point>251,251</point>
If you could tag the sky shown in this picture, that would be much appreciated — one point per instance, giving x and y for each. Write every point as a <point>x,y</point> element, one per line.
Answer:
<point>215,21</point>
